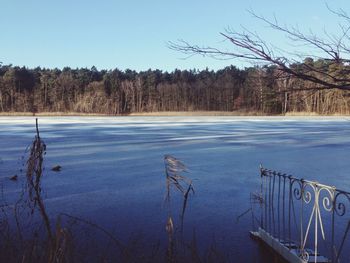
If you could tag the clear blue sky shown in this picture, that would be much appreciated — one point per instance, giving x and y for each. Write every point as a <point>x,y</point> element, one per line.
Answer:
<point>133,34</point>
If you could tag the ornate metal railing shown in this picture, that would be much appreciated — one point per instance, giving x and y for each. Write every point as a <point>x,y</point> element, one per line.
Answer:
<point>308,216</point>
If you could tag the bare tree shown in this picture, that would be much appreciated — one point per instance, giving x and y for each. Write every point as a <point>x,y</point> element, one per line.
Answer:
<point>330,51</point>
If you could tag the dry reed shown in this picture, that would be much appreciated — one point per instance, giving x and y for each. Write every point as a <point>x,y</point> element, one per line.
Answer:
<point>174,170</point>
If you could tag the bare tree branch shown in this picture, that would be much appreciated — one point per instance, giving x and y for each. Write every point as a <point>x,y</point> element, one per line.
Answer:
<point>330,70</point>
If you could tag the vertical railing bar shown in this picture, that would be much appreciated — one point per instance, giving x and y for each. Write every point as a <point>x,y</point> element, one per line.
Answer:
<point>278,207</point>
<point>332,229</point>
<point>333,226</point>
<point>294,215</point>
<point>272,205</point>
<point>284,209</point>
<point>289,208</point>
<point>262,194</point>
<point>265,227</point>
<point>316,221</point>
<point>302,217</point>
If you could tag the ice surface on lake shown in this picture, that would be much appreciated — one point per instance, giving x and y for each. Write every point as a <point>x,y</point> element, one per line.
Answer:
<point>113,170</point>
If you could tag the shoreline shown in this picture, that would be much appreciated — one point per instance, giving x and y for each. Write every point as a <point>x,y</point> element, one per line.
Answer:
<point>170,113</point>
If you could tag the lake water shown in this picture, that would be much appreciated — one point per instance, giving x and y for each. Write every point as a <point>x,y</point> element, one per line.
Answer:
<point>113,169</point>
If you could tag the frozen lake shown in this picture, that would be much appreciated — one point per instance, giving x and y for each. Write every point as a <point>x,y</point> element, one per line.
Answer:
<point>113,169</point>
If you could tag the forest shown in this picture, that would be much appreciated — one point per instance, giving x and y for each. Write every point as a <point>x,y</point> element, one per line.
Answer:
<point>257,90</point>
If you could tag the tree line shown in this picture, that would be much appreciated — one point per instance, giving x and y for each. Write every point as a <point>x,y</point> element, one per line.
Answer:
<point>255,89</point>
